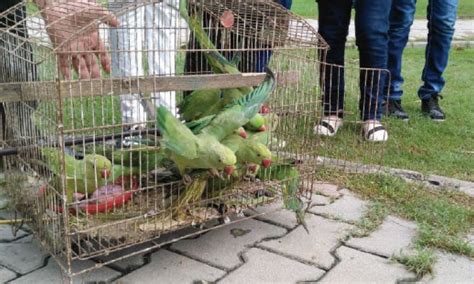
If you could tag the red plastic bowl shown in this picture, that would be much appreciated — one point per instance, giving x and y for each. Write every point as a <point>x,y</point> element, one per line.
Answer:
<point>105,204</point>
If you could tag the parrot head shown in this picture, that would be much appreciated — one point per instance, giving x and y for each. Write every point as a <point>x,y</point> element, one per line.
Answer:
<point>262,154</point>
<point>101,164</point>
<point>224,158</point>
<point>242,133</point>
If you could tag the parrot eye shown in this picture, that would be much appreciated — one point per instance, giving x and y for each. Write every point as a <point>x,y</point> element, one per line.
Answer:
<point>258,155</point>
<point>220,160</point>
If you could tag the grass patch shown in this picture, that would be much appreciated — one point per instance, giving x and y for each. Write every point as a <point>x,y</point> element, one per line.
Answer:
<point>373,218</point>
<point>420,263</point>
<point>431,148</point>
<point>443,218</point>
<point>308,9</point>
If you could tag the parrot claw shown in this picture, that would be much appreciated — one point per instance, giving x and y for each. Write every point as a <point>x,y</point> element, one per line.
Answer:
<point>215,173</point>
<point>187,180</point>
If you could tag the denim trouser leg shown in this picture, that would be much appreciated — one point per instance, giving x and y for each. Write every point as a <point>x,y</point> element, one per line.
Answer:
<point>401,19</point>
<point>372,24</point>
<point>334,19</point>
<point>264,56</point>
<point>441,20</point>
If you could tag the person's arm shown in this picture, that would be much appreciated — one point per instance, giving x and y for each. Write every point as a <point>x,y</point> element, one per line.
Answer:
<point>78,48</point>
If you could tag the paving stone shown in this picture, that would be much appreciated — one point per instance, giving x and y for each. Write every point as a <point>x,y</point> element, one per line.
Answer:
<point>451,268</point>
<point>6,234</point>
<point>360,267</point>
<point>326,189</point>
<point>170,267</point>
<point>393,236</point>
<point>348,207</point>
<point>6,275</point>
<point>315,247</point>
<point>222,246</point>
<point>319,200</point>
<point>129,263</point>
<point>21,256</point>
<point>276,214</point>
<point>52,273</point>
<point>266,267</point>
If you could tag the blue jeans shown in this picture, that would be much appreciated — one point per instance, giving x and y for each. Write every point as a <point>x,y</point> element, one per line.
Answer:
<point>264,56</point>
<point>372,24</point>
<point>441,15</point>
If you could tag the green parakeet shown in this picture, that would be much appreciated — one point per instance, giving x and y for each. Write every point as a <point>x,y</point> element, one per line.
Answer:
<point>248,151</point>
<point>238,113</point>
<point>290,178</point>
<point>82,176</point>
<point>189,151</point>
<point>257,123</point>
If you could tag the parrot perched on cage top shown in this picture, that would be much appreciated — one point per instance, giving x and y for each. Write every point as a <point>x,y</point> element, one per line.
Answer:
<point>189,151</point>
<point>82,176</point>
<point>236,114</point>
<point>248,152</point>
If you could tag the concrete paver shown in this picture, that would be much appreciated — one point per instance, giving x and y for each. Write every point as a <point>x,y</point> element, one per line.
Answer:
<point>348,207</point>
<point>6,274</point>
<point>398,231</point>
<point>6,234</point>
<point>276,214</point>
<point>222,246</point>
<point>322,188</point>
<point>169,267</point>
<point>265,267</point>
<point>315,247</point>
<point>356,266</point>
<point>52,273</point>
<point>451,268</point>
<point>22,257</point>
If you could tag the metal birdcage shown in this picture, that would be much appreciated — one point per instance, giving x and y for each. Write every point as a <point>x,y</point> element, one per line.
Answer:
<point>55,116</point>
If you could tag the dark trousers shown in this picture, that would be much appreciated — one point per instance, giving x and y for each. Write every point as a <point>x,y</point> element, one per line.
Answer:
<point>16,65</point>
<point>372,24</point>
<point>441,15</point>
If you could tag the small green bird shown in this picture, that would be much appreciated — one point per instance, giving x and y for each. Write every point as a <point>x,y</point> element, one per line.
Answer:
<point>189,151</point>
<point>239,112</point>
<point>248,152</point>
<point>290,178</point>
<point>82,176</point>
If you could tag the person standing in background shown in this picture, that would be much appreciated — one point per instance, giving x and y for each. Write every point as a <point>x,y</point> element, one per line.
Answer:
<point>146,39</point>
<point>441,15</point>
<point>372,24</point>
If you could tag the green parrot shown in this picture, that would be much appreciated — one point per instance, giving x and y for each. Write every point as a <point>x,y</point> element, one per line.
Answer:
<point>257,123</point>
<point>290,178</point>
<point>201,103</point>
<point>82,176</point>
<point>238,113</point>
<point>189,151</point>
<point>248,151</point>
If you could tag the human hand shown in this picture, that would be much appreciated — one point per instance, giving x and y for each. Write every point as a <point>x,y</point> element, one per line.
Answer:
<point>73,29</point>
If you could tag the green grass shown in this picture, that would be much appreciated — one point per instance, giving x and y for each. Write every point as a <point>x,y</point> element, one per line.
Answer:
<point>308,8</point>
<point>432,148</point>
<point>444,218</point>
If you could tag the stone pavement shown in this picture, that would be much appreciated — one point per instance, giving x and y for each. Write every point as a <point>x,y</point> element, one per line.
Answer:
<point>271,249</point>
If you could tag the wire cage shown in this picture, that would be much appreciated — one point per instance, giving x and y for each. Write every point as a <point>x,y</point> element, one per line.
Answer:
<point>90,172</point>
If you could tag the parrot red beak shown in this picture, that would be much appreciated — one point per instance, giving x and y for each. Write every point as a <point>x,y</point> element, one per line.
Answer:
<point>229,170</point>
<point>243,134</point>
<point>266,163</point>
<point>252,168</point>
<point>262,128</point>
<point>105,173</point>
<point>264,109</point>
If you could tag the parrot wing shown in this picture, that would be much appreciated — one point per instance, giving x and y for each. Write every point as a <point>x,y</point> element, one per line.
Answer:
<point>176,137</point>
<point>240,111</point>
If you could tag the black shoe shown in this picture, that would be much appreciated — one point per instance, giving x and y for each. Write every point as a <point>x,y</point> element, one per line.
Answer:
<point>394,108</point>
<point>431,108</point>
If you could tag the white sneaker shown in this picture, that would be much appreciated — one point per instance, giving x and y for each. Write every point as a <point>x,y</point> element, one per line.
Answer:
<point>328,126</point>
<point>374,131</point>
